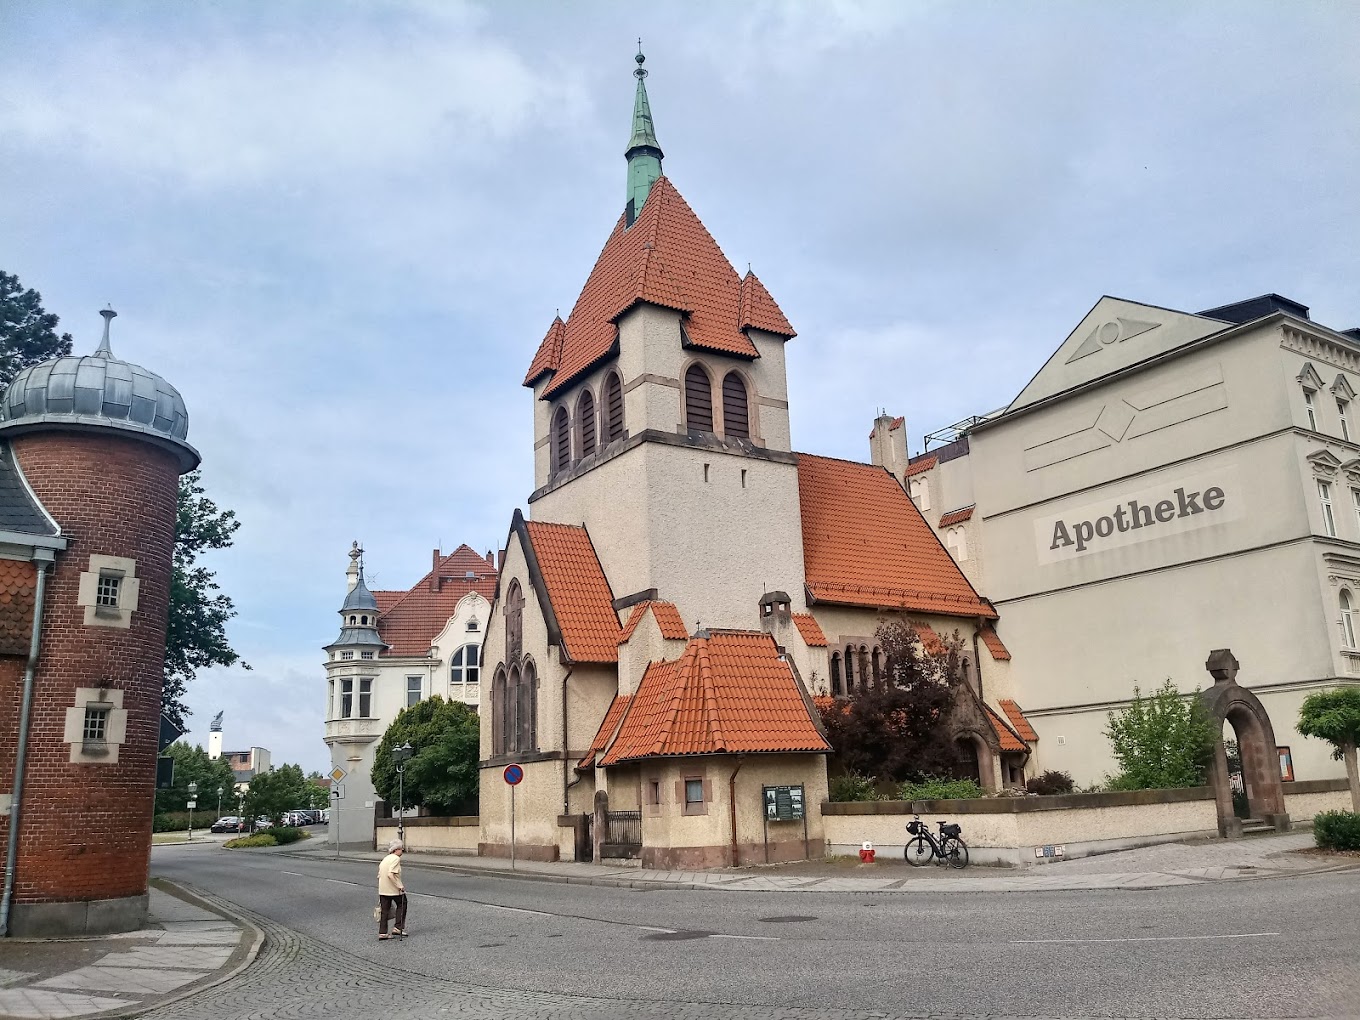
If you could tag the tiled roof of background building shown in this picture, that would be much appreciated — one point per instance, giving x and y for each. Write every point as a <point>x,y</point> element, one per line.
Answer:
<point>993,642</point>
<point>897,423</point>
<point>1009,740</point>
<point>665,258</point>
<point>410,620</point>
<point>956,516</point>
<point>920,464</point>
<point>603,735</point>
<point>1018,720</point>
<point>810,629</point>
<point>729,692</point>
<point>577,590</point>
<point>667,619</point>
<point>866,544</point>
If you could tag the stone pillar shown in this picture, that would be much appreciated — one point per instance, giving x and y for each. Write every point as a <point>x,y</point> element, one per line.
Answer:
<point>599,830</point>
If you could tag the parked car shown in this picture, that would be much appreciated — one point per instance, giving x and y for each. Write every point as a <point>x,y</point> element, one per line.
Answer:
<point>228,824</point>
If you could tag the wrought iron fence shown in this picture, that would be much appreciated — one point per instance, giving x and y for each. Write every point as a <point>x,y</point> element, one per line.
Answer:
<point>625,827</point>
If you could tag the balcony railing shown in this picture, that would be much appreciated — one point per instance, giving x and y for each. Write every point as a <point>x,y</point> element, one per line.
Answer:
<point>354,730</point>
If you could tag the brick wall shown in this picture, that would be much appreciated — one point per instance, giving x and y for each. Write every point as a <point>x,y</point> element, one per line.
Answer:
<point>86,828</point>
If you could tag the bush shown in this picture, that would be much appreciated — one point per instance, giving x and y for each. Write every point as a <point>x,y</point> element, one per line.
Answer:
<point>935,788</point>
<point>1337,830</point>
<point>853,786</point>
<point>259,839</point>
<point>1161,741</point>
<point>1049,783</point>
<point>177,821</point>
<point>283,835</point>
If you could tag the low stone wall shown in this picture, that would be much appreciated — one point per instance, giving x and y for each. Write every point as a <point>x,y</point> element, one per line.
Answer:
<point>1005,831</point>
<point>1309,797</point>
<point>452,835</point>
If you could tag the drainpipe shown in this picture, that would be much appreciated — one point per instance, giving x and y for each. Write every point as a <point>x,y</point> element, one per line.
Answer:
<point>566,757</point>
<point>732,803</point>
<point>21,752</point>
<point>977,659</point>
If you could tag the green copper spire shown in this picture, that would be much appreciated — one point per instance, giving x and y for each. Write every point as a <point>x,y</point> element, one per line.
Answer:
<point>644,154</point>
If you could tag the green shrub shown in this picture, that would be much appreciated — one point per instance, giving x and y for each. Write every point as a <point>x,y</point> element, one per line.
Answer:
<point>1161,741</point>
<point>259,839</point>
<point>1337,830</point>
<point>853,786</point>
<point>283,835</point>
<point>1050,783</point>
<point>935,788</point>
<point>178,821</point>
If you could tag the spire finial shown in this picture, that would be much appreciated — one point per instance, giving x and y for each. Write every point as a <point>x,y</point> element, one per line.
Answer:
<point>104,348</point>
<point>641,71</point>
<point>644,152</point>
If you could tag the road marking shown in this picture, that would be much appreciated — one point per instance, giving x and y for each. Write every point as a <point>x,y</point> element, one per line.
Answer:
<point>1151,938</point>
<point>294,874</point>
<point>750,938</point>
<point>643,927</point>
<point>338,882</point>
<point>520,910</point>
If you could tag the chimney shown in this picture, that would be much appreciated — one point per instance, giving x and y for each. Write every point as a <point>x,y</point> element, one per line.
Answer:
<point>888,445</point>
<point>500,561</point>
<point>776,612</point>
<point>490,560</point>
<point>434,571</point>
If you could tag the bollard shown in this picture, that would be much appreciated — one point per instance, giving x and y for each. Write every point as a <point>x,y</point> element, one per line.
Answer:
<point>866,853</point>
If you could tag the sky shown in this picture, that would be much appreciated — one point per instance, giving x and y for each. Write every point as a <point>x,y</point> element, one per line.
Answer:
<point>341,229</point>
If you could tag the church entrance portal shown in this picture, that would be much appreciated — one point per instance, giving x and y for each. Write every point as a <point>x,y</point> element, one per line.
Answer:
<point>1230,705</point>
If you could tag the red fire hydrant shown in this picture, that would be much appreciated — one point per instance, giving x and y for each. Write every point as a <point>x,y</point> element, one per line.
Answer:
<point>866,853</point>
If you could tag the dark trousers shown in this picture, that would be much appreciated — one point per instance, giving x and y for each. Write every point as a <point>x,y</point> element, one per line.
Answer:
<point>388,904</point>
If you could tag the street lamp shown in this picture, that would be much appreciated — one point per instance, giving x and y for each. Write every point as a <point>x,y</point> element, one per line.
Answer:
<point>219,802</point>
<point>401,755</point>
<point>193,789</point>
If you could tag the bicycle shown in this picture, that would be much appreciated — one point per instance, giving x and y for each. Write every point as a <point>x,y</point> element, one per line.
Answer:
<point>950,849</point>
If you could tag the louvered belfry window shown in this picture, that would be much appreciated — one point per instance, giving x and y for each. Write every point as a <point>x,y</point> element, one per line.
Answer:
<point>585,423</point>
<point>736,415</point>
<point>561,441</point>
<point>698,400</point>
<point>613,408</point>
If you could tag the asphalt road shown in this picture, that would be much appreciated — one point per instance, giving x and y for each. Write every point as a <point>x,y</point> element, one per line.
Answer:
<point>1277,948</point>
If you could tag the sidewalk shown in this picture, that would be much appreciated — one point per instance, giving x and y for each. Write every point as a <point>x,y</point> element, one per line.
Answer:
<point>1168,864</point>
<point>183,948</point>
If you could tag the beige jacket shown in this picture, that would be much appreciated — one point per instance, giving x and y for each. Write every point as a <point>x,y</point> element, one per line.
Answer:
<point>389,876</point>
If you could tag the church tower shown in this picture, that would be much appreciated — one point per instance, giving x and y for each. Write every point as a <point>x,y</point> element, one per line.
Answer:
<point>661,416</point>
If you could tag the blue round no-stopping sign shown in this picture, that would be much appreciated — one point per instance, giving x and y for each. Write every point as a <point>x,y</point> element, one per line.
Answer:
<point>514,774</point>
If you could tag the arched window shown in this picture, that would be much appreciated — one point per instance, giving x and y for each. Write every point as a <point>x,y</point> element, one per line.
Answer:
<point>836,674</point>
<point>364,620</point>
<point>561,440</point>
<point>863,666</point>
<point>463,667</point>
<point>878,671</point>
<point>1347,619</point>
<point>351,620</point>
<point>585,422</point>
<point>499,714</point>
<point>849,669</point>
<point>613,408</point>
<point>698,400</point>
<point>526,705</point>
<point>510,725</point>
<point>736,414</point>
<point>514,621</point>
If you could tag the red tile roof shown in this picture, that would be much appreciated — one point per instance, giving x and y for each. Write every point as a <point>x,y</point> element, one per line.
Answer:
<point>930,641</point>
<point>665,258</point>
<point>667,619</point>
<point>578,591</point>
<point>1018,720</point>
<point>1008,738</point>
<point>606,731</point>
<point>549,354</point>
<point>956,516</point>
<point>810,629</point>
<point>919,465</point>
<point>897,423</point>
<point>993,642</point>
<point>410,620</point>
<point>866,544</point>
<point>729,692</point>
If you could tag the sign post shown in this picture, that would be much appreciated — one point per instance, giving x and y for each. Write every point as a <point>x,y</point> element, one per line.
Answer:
<point>514,775</point>
<point>336,775</point>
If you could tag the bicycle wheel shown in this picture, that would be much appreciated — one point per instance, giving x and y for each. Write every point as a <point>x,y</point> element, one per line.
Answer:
<point>955,852</point>
<point>919,852</point>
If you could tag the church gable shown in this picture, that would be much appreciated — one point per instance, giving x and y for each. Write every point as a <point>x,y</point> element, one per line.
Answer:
<point>575,595</point>
<point>1114,335</point>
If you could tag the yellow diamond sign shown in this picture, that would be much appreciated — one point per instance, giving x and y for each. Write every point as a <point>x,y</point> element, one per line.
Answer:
<point>337,774</point>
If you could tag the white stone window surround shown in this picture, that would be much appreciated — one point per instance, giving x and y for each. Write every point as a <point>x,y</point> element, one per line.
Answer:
<point>1325,502</point>
<point>108,703</point>
<point>109,591</point>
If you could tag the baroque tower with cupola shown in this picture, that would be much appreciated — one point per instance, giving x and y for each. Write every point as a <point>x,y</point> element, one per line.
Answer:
<point>661,417</point>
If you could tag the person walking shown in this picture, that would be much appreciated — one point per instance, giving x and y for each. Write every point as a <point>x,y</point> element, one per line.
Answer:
<point>391,892</point>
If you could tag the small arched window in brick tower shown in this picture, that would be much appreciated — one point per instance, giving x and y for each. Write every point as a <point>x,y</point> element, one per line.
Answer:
<point>736,413</point>
<point>613,408</point>
<point>585,422</point>
<point>561,441</point>
<point>698,400</point>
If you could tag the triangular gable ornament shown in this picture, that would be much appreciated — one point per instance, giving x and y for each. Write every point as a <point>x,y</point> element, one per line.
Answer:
<point>1342,388</point>
<point>1324,462</point>
<point>1309,378</point>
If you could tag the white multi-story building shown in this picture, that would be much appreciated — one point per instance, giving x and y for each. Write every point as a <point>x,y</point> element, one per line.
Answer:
<point>396,648</point>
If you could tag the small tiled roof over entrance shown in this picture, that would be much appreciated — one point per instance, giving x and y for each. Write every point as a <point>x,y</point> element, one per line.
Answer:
<point>1010,741</point>
<point>730,692</point>
<point>410,620</point>
<point>665,258</point>
<point>866,544</point>
<point>577,591</point>
<point>810,629</point>
<point>667,619</point>
<point>612,716</point>
<point>1017,719</point>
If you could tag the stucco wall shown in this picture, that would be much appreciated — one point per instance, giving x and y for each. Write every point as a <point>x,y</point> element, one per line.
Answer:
<point>454,835</point>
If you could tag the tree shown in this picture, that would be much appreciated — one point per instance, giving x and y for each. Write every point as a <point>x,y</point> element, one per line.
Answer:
<point>894,729</point>
<point>1334,716</point>
<point>192,765</point>
<point>196,636</point>
<point>28,333</point>
<point>271,794</point>
<point>1162,741</point>
<point>441,774</point>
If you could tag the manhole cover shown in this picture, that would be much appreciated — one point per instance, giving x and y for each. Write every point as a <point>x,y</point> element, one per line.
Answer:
<point>676,936</point>
<point>787,918</point>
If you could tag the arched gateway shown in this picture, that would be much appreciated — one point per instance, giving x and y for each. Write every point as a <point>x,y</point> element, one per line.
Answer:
<point>1241,709</point>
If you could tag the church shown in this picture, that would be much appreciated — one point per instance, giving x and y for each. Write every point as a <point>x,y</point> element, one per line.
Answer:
<point>684,583</point>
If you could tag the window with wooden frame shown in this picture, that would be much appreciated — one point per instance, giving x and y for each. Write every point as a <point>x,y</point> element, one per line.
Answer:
<point>695,800</point>
<point>585,422</point>
<point>736,408</point>
<point>698,400</point>
<point>561,440</point>
<point>96,728</point>
<point>613,408</point>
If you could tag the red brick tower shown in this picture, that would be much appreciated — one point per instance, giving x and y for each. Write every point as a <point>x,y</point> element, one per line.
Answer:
<point>91,450</point>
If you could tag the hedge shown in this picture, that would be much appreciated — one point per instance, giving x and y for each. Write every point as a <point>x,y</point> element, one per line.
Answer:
<point>1337,830</point>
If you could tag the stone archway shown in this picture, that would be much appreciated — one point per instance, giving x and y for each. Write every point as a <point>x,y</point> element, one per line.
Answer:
<point>1228,702</point>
